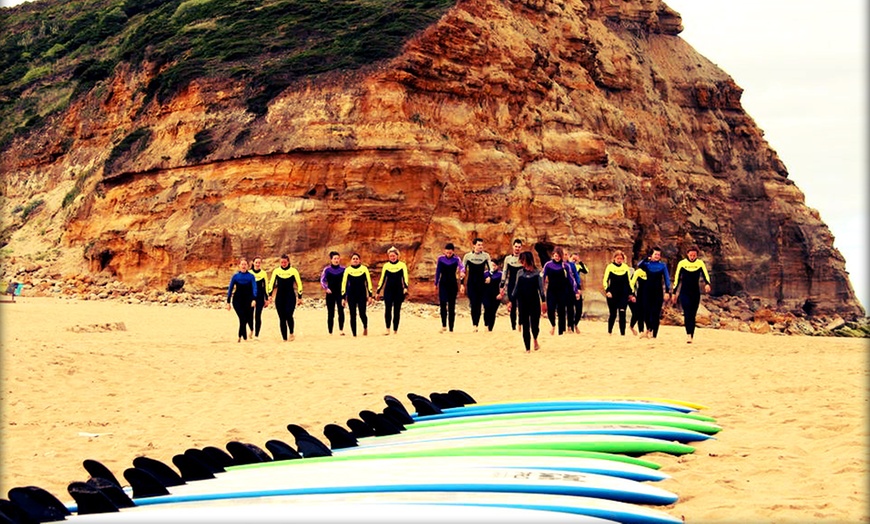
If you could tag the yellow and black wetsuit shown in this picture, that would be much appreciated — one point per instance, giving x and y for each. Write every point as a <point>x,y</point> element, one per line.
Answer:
<point>283,282</point>
<point>260,276</point>
<point>617,282</point>
<point>356,288</point>
<point>687,279</point>
<point>392,286</point>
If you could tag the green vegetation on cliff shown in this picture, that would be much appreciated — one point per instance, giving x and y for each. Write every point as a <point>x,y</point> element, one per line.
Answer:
<point>55,50</point>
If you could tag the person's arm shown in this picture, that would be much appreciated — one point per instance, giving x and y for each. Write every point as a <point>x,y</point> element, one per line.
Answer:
<point>230,289</point>
<point>581,267</point>
<point>368,280</point>
<point>438,272</point>
<point>605,281</point>
<point>323,281</point>
<point>405,278</point>
<point>298,278</point>
<point>344,283</point>
<point>677,275</point>
<point>706,277</point>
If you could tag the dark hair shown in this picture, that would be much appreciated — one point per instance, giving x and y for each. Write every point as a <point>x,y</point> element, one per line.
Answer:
<point>654,249</point>
<point>285,257</point>
<point>333,253</point>
<point>476,240</point>
<point>526,259</point>
<point>693,248</point>
<point>561,252</point>
<point>449,245</point>
<point>355,254</point>
<point>518,241</point>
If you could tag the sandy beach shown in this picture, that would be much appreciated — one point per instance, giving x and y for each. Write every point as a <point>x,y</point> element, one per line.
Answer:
<point>111,381</point>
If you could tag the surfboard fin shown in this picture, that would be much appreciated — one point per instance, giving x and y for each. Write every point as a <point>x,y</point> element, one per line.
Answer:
<point>90,499</point>
<point>218,456</point>
<point>244,453</point>
<point>309,447</point>
<point>112,491</point>
<point>192,468</point>
<point>398,417</point>
<point>360,429</point>
<point>423,405</point>
<point>206,459</point>
<point>11,513</point>
<point>461,396</point>
<point>379,423</point>
<point>98,470</point>
<point>297,430</point>
<point>392,401</point>
<point>281,450</point>
<point>443,401</point>
<point>38,504</point>
<point>339,437</point>
<point>160,471</point>
<point>144,484</point>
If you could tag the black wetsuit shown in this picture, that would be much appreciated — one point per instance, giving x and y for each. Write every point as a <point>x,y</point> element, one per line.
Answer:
<point>616,282</point>
<point>511,267</point>
<point>392,285</point>
<point>687,278</point>
<point>331,279</point>
<point>447,282</point>
<point>260,276</point>
<point>576,312</point>
<point>561,289</point>
<point>638,284</point>
<point>529,293</point>
<point>490,299</point>
<point>476,265</point>
<point>356,287</point>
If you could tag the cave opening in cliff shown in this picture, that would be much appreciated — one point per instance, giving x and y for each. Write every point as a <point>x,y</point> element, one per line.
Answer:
<point>544,249</point>
<point>809,307</point>
<point>105,257</point>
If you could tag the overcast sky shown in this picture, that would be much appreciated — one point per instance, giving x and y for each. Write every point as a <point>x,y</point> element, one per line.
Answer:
<point>802,65</point>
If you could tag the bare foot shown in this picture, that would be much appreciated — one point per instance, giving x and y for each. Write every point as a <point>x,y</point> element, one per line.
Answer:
<point>537,346</point>
<point>387,333</point>
<point>634,331</point>
<point>552,330</point>
<point>365,332</point>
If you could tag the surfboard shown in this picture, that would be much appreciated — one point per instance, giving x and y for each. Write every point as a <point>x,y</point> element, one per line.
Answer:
<point>285,509</point>
<point>532,407</point>
<point>653,400</point>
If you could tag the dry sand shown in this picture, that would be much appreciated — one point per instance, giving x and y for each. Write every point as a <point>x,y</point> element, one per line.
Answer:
<point>77,386</point>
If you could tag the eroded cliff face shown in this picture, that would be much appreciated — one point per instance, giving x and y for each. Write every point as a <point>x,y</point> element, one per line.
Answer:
<point>586,124</point>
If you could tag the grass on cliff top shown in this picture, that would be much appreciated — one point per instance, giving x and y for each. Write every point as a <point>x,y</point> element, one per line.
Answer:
<point>267,43</point>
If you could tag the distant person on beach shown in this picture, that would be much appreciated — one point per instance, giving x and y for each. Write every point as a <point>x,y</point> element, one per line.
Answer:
<point>393,288</point>
<point>561,289</point>
<point>492,296</point>
<point>687,277</point>
<point>448,272</point>
<point>242,293</point>
<point>577,268</point>
<point>528,295</point>
<point>356,290</point>
<point>476,263</point>
<point>511,266</point>
<point>637,283</point>
<point>656,291</point>
<point>285,288</point>
<point>330,281</point>
<point>617,288</point>
<point>260,275</point>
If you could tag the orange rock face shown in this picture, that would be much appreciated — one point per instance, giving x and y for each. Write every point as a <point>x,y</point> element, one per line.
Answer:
<point>590,125</point>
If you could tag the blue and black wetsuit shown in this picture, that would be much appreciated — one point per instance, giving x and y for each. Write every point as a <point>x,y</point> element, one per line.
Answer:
<point>658,282</point>
<point>617,283</point>
<point>356,288</point>
<point>529,293</point>
<point>561,289</point>
<point>447,281</point>
<point>687,278</point>
<point>490,298</point>
<point>330,279</point>
<point>245,292</point>
<point>392,286</point>
<point>260,276</point>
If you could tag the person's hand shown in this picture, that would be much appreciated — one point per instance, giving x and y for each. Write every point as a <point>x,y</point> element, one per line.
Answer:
<point>543,308</point>
<point>344,302</point>
<point>608,295</point>
<point>632,298</point>
<point>707,288</point>
<point>298,301</point>
<point>253,303</point>
<point>406,291</point>
<point>487,280</point>
<point>577,296</point>
<point>328,291</point>
<point>462,288</point>
<point>509,306</point>
<point>229,306</point>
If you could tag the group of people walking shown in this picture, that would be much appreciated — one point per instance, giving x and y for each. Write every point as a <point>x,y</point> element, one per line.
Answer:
<point>645,290</point>
<point>555,291</point>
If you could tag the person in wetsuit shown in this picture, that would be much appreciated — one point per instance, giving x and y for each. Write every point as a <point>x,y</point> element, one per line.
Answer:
<point>528,295</point>
<point>635,301</point>
<point>617,288</point>
<point>393,288</point>
<point>242,293</point>
<point>285,288</point>
<point>330,281</point>
<point>687,279</point>
<point>448,272</point>
<point>656,292</point>
<point>356,289</point>
<point>577,268</point>
<point>476,263</point>
<point>260,275</point>
<point>561,289</point>
<point>491,296</point>
<point>511,266</point>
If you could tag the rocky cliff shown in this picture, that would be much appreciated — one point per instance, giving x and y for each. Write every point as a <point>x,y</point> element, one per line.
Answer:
<point>585,124</point>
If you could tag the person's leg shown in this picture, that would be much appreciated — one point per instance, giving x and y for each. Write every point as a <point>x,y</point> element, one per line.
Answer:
<point>451,312</point>
<point>622,321</point>
<point>611,319</point>
<point>525,326</point>
<point>535,324</point>
<point>397,313</point>
<point>388,312</point>
<point>352,309</point>
<point>240,312</point>
<point>282,320</point>
<point>330,312</point>
<point>258,318</point>
<point>562,314</point>
<point>552,306</point>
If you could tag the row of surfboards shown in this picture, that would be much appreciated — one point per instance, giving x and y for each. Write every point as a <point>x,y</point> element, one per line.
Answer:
<point>573,460</point>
